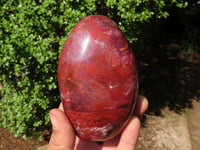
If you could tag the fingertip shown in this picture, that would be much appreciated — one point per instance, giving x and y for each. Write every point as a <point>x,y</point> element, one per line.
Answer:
<point>143,99</point>
<point>58,117</point>
<point>145,103</point>
<point>141,106</point>
<point>130,134</point>
<point>61,107</point>
<point>133,124</point>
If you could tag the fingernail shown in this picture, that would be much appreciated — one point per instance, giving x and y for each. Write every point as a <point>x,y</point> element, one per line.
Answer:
<point>53,121</point>
<point>145,103</point>
<point>144,107</point>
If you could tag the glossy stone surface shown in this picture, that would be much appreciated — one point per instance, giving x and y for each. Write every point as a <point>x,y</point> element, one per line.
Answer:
<point>97,78</point>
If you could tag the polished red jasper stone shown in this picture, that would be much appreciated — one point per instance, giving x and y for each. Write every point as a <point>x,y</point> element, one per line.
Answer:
<point>97,78</point>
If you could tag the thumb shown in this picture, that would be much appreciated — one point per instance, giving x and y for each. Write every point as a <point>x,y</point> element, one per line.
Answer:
<point>63,135</point>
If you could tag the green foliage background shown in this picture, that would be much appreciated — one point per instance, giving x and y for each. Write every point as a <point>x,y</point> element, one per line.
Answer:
<point>32,33</point>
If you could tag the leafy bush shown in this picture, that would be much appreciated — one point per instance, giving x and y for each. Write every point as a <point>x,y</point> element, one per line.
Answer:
<point>190,21</point>
<point>32,33</point>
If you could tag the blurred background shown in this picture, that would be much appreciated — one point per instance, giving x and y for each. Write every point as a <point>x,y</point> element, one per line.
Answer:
<point>165,38</point>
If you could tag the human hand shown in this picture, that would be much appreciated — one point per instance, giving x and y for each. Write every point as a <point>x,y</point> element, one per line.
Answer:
<point>64,138</point>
